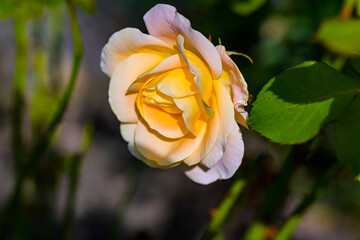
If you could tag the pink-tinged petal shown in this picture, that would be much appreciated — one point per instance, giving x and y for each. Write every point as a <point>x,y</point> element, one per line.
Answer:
<point>241,117</point>
<point>164,151</point>
<point>129,41</point>
<point>216,152</point>
<point>163,22</point>
<point>238,84</point>
<point>226,115</point>
<point>122,104</point>
<point>226,167</point>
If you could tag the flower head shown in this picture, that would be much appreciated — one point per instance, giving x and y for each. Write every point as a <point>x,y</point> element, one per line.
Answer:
<point>177,96</point>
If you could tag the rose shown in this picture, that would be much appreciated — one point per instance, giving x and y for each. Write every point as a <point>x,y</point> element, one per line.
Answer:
<point>176,96</point>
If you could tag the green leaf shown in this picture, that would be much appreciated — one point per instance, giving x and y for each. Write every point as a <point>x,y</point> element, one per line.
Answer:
<point>356,64</point>
<point>293,106</point>
<point>347,135</point>
<point>340,36</point>
<point>6,7</point>
<point>247,7</point>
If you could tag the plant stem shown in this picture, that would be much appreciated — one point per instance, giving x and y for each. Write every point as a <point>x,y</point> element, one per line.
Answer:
<point>290,225</point>
<point>228,202</point>
<point>44,140</point>
<point>20,73</point>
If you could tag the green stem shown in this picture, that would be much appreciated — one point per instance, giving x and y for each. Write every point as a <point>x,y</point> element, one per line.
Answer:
<point>228,202</point>
<point>44,140</point>
<point>56,19</point>
<point>290,225</point>
<point>55,119</point>
<point>20,72</point>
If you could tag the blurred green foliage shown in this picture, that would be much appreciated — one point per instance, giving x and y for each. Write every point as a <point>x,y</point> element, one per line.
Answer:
<point>341,36</point>
<point>347,132</point>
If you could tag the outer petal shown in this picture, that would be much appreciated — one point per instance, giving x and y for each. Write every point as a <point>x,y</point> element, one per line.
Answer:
<point>238,84</point>
<point>126,42</point>
<point>127,131</point>
<point>164,151</point>
<point>209,139</point>
<point>126,72</point>
<point>163,22</point>
<point>226,167</point>
<point>226,115</point>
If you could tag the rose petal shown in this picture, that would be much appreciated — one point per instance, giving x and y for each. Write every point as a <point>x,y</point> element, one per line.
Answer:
<point>168,125</point>
<point>238,84</point>
<point>125,73</point>
<point>226,115</point>
<point>225,107</point>
<point>209,139</point>
<point>164,151</point>
<point>191,112</point>
<point>226,167</point>
<point>177,83</point>
<point>202,76</point>
<point>127,131</point>
<point>173,62</point>
<point>129,41</point>
<point>163,22</point>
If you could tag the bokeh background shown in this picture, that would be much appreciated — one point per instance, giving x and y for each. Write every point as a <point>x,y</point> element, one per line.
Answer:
<point>117,196</point>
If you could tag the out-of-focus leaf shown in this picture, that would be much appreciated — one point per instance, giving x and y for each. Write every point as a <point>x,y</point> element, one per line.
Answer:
<point>347,135</point>
<point>356,65</point>
<point>88,6</point>
<point>25,8</point>
<point>6,7</point>
<point>247,7</point>
<point>293,106</point>
<point>341,36</point>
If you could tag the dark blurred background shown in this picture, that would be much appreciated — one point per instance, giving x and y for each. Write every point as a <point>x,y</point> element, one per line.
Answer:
<point>118,197</point>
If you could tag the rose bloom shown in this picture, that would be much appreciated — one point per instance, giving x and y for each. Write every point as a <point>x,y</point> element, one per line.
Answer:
<point>177,96</point>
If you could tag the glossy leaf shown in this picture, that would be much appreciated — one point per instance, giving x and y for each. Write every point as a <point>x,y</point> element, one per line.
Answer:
<point>340,36</point>
<point>347,135</point>
<point>293,106</point>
